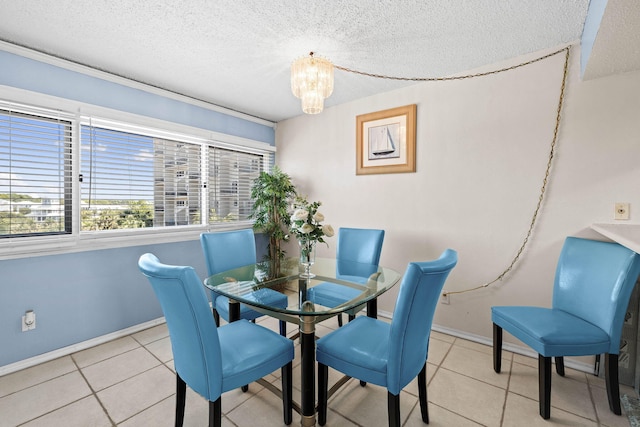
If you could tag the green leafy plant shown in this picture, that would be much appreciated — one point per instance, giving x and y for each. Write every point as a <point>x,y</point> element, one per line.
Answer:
<point>272,194</point>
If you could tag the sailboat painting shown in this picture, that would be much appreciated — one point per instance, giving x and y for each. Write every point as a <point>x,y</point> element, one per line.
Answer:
<point>384,141</point>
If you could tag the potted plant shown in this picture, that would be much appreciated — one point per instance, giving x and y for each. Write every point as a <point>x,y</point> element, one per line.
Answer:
<point>272,193</point>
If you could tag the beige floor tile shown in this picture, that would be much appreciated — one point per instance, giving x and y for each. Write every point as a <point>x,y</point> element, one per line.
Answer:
<point>566,393</point>
<point>42,398</point>
<point>104,351</point>
<point>83,413</point>
<point>478,365</point>
<point>163,413</point>
<point>572,396</point>
<point>442,337</point>
<point>161,349</point>
<point>264,409</point>
<point>524,380</point>
<point>152,334</point>
<point>118,368</point>
<point>438,349</point>
<point>412,387</point>
<point>479,347</point>
<point>468,397</point>
<point>524,412</point>
<point>367,406</point>
<point>438,417</point>
<point>35,375</point>
<point>605,416</point>
<point>138,393</point>
<point>525,360</point>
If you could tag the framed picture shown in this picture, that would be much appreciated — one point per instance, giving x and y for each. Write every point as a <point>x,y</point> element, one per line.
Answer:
<point>386,141</point>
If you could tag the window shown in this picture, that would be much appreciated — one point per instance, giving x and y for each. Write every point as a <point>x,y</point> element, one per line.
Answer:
<point>62,174</point>
<point>231,175</point>
<point>136,180</point>
<point>35,173</point>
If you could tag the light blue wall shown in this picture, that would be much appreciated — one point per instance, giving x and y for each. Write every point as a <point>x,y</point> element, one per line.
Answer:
<point>80,296</point>
<point>24,73</point>
<point>85,295</point>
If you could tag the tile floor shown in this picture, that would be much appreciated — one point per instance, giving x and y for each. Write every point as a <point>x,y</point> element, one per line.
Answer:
<point>130,382</point>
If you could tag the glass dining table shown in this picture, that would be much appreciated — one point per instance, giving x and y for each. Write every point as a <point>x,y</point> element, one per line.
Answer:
<point>295,280</point>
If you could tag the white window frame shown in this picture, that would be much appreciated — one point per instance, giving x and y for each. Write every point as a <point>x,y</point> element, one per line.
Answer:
<point>78,113</point>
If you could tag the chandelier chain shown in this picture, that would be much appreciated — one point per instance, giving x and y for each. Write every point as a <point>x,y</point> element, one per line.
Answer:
<point>439,79</point>
<point>545,181</point>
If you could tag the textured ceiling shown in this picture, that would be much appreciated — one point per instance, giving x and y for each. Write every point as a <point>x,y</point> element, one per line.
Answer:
<point>237,53</point>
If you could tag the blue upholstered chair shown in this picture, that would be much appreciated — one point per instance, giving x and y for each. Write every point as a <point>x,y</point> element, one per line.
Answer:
<point>211,359</point>
<point>232,249</point>
<point>593,284</point>
<point>389,355</point>
<point>354,244</point>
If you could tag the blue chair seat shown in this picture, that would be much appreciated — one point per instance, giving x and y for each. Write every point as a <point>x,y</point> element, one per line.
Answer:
<point>331,294</point>
<point>337,350</point>
<point>243,347</point>
<point>551,332</point>
<point>264,296</point>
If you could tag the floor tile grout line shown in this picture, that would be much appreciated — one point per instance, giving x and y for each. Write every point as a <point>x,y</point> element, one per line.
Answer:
<point>506,391</point>
<point>93,392</point>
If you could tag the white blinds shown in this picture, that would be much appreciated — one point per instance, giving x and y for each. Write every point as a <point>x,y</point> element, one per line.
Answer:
<point>135,180</point>
<point>231,176</point>
<point>35,172</point>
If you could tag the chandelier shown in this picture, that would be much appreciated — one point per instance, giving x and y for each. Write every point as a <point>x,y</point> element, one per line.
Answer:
<point>312,82</point>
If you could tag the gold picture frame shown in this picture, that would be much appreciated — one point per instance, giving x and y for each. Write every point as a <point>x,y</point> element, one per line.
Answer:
<point>386,141</point>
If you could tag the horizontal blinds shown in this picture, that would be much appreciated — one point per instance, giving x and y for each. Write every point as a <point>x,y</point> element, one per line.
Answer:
<point>35,174</point>
<point>137,181</point>
<point>231,176</point>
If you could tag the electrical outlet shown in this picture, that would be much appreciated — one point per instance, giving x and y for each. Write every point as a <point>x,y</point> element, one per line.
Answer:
<point>621,211</point>
<point>28,321</point>
<point>444,299</point>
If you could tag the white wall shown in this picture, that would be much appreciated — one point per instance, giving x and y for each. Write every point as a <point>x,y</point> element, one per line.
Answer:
<point>482,149</point>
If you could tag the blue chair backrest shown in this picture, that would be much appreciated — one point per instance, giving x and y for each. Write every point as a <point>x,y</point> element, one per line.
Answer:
<point>594,281</point>
<point>228,249</point>
<point>360,245</point>
<point>193,332</point>
<point>412,318</point>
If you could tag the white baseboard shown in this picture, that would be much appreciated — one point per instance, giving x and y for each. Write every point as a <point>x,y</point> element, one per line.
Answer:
<point>65,351</point>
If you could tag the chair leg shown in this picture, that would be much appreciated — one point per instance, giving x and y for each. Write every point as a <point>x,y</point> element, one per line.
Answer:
<point>544,386</point>
<point>323,379</point>
<point>215,413</point>
<point>560,365</point>
<point>339,320</point>
<point>287,391</point>
<point>283,328</point>
<point>611,378</point>
<point>393,407</point>
<point>497,348</point>
<point>422,394</point>
<point>181,394</point>
<point>351,317</point>
<point>216,317</point>
<point>245,388</point>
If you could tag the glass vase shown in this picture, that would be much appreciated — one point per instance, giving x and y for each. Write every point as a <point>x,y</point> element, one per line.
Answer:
<point>307,256</point>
